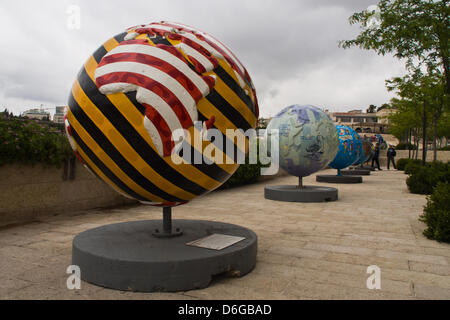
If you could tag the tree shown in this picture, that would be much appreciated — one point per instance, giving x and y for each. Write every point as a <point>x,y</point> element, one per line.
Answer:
<point>423,97</point>
<point>372,109</point>
<point>384,106</point>
<point>439,105</point>
<point>405,122</point>
<point>415,30</point>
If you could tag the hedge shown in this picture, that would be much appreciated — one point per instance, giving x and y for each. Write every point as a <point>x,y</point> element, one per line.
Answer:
<point>437,213</point>
<point>246,173</point>
<point>401,163</point>
<point>30,142</point>
<point>413,166</point>
<point>422,179</point>
<point>404,146</point>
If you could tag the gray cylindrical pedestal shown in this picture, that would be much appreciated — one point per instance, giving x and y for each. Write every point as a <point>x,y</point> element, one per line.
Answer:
<point>339,179</point>
<point>304,194</point>
<point>126,256</point>
<point>355,172</point>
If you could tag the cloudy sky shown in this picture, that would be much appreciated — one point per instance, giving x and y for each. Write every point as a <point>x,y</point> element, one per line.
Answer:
<point>288,47</point>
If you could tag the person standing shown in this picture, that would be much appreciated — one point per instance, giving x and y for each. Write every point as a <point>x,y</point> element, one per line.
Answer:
<point>376,156</point>
<point>391,153</point>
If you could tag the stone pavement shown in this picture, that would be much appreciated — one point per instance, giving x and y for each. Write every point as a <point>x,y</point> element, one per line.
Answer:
<point>306,251</point>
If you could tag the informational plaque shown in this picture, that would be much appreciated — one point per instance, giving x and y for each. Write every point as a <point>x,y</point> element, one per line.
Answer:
<point>215,241</point>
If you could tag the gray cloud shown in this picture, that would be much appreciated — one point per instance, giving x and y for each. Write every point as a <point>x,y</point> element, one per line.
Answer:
<point>289,47</point>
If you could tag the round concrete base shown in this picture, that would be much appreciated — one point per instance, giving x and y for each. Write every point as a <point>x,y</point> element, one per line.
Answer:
<point>126,256</point>
<point>355,172</point>
<point>304,194</point>
<point>339,179</point>
<point>367,168</point>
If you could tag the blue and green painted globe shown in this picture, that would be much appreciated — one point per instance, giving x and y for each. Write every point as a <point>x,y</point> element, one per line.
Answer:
<point>366,153</point>
<point>308,140</point>
<point>350,148</point>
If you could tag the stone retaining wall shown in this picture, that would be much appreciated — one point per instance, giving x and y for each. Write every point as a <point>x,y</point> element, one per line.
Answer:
<point>443,156</point>
<point>26,193</point>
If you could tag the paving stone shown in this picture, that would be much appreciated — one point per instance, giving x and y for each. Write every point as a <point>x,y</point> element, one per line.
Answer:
<point>431,292</point>
<point>317,290</point>
<point>8,285</point>
<point>305,251</point>
<point>443,270</point>
<point>412,257</point>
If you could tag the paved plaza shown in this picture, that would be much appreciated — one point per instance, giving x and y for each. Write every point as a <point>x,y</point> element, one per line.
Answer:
<point>306,251</point>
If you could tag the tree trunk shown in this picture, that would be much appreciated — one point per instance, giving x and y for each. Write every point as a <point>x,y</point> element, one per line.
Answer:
<point>409,143</point>
<point>424,133</point>
<point>414,145</point>
<point>446,72</point>
<point>417,144</point>
<point>434,138</point>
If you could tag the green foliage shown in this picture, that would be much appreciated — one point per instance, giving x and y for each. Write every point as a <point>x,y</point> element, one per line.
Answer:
<point>415,30</point>
<point>404,146</point>
<point>436,214</point>
<point>412,165</point>
<point>30,142</point>
<point>447,148</point>
<point>246,174</point>
<point>422,179</point>
<point>403,162</point>
<point>262,123</point>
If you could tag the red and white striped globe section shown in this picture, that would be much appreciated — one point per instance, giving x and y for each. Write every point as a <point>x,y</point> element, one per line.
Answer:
<point>141,86</point>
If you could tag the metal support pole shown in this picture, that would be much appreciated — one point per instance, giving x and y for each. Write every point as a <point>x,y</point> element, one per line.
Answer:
<point>167,220</point>
<point>167,229</point>
<point>300,182</point>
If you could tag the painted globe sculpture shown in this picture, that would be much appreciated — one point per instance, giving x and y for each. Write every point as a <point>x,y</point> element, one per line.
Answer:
<point>367,152</point>
<point>359,149</point>
<point>349,148</point>
<point>308,139</point>
<point>140,88</point>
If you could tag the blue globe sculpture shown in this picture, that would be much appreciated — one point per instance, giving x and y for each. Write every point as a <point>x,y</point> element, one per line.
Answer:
<point>350,147</point>
<point>308,140</point>
<point>359,149</point>
<point>366,152</point>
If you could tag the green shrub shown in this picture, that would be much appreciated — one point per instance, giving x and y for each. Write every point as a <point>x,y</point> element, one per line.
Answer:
<point>436,214</point>
<point>30,142</point>
<point>401,163</point>
<point>404,146</point>
<point>246,174</point>
<point>422,179</point>
<point>446,148</point>
<point>412,166</point>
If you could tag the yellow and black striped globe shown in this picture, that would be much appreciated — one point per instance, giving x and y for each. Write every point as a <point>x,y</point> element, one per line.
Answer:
<point>140,86</point>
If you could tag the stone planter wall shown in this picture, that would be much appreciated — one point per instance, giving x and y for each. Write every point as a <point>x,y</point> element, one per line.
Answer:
<point>26,193</point>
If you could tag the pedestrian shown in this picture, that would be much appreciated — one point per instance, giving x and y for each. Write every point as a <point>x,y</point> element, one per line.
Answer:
<point>376,156</point>
<point>391,153</point>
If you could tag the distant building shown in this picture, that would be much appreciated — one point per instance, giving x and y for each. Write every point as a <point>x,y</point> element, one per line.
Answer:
<point>36,114</point>
<point>59,115</point>
<point>363,122</point>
